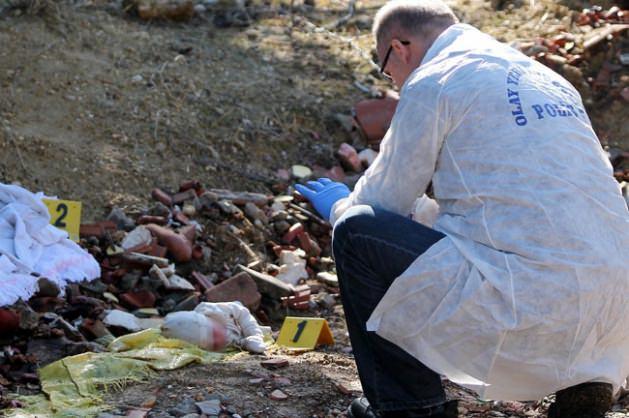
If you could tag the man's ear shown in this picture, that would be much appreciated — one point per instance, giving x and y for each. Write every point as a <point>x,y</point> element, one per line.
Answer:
<point>403,52</point>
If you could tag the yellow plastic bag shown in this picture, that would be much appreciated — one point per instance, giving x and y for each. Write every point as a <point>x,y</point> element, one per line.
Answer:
<point>71,385</point>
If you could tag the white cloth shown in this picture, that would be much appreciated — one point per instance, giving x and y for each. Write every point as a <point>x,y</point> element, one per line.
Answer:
<point>30,247</point>
<point>528,293</point>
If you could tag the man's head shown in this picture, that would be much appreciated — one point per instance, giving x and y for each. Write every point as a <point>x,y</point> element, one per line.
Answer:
<point>404,30</point>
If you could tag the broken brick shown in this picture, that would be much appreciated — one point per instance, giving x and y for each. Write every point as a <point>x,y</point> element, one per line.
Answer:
<point>9,322</point>
<point>162,197</point>
<point>240,287</point>
<point>274,363</point>
<point>137,300</point>
<point>181,197</point>
<point>152,219</point>
<point>202,281</point>
<point>294,231</point>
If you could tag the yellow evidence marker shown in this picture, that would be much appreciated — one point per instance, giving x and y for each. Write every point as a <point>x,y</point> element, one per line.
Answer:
<point>66,215</point>
<point>304,333</point>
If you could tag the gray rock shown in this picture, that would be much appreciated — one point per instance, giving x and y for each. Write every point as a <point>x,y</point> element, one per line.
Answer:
<point>185,407</point>
<point>159,209</point>
<point>47,287</point>
<point>212,407</point>
<point>121,220</point>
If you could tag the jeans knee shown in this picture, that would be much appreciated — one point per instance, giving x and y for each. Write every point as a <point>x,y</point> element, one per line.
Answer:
<point>354,219</point>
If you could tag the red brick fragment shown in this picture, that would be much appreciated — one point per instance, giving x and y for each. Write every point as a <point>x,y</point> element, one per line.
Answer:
<point>197,252</point>
<point>190,184</point>
<point>309,245</point>
<point>181,218</point>
<point>202,281</point>
<point>98,229</point>
<point>137,300</point>
<point>294,231</point>
<point>336,173</point>
<point>240,287</point>
<point>183,196</point>
<point>177,244</point>
<point>274,363</point>
<point>162,196</point>
<point>150,219</point>
<point>278,395</point>
<point>9,322</point>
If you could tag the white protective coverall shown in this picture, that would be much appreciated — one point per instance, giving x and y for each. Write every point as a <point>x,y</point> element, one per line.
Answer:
<point>529,291</point>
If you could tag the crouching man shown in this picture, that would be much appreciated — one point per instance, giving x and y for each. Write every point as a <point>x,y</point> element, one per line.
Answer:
<point>519,287</point>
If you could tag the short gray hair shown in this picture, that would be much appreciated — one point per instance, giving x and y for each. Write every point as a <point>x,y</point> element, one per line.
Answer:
<point>415,17</point>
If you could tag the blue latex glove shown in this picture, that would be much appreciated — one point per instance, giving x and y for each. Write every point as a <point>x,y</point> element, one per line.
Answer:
<point>323,194</point>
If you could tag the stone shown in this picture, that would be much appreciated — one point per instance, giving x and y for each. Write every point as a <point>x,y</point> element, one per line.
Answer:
<point>188,303</point>
<point>110,297</point>
<point>278,395</point>
<point>268,284</point>
<point>294,231</point>
<point>139,237</point>
<point>29,319</point>
<point>189,210</point>
<point>281,381</point>
<point>137,79</point>
<point>228,207</point>
<point>137,413</point>
<point>146,312</point>
<point>349,157</point>
<point>178,283</point>
<point>94,286</point>
<point>121,220</point>
<point>47,287</point>
<point>9,322</point>
<point>274,363</point>
<point>138,299</point>
<point>187,406</point>
<point>300,172</point>
<point>326,300</point>
<point>212,407</point>
<point>159,209</point>
<point>205,201</point>
<point>327,278</point>
<point>254,213</point>
<point>240,287</point>
<point>336,173</point>
<point>293,268</point>
<point>281,227</point>
<point>94,328</point>
<point>129,281</point>
<point>120,319</point>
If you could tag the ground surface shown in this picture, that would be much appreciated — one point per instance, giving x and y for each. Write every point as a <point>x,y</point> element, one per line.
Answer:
<point>101,107</point>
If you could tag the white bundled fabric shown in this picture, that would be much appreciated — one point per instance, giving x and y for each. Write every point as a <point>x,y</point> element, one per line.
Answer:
<point>30,247</point>
<point>527,293</point>
<point>242,328</point>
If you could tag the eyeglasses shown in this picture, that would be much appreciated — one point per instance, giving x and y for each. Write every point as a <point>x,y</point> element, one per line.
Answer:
<point>386,59</point>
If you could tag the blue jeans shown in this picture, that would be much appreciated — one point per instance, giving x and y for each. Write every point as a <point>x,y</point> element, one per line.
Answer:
<point>372,248</point>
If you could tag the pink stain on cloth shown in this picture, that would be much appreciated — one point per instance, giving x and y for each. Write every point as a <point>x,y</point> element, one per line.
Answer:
<point>31,248</point>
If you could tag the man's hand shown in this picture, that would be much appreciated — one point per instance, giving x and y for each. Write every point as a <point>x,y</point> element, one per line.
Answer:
<point>323,194</point>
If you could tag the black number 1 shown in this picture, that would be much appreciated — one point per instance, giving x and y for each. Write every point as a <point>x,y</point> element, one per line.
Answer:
<point>63,208</point>
<point>300,329</point>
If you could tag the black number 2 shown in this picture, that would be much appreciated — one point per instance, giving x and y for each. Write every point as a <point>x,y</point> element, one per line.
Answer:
<point>63,208</point>
<point>300,329</point>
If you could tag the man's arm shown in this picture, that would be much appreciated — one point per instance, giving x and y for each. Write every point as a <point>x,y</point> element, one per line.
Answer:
<point>408,155</point>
